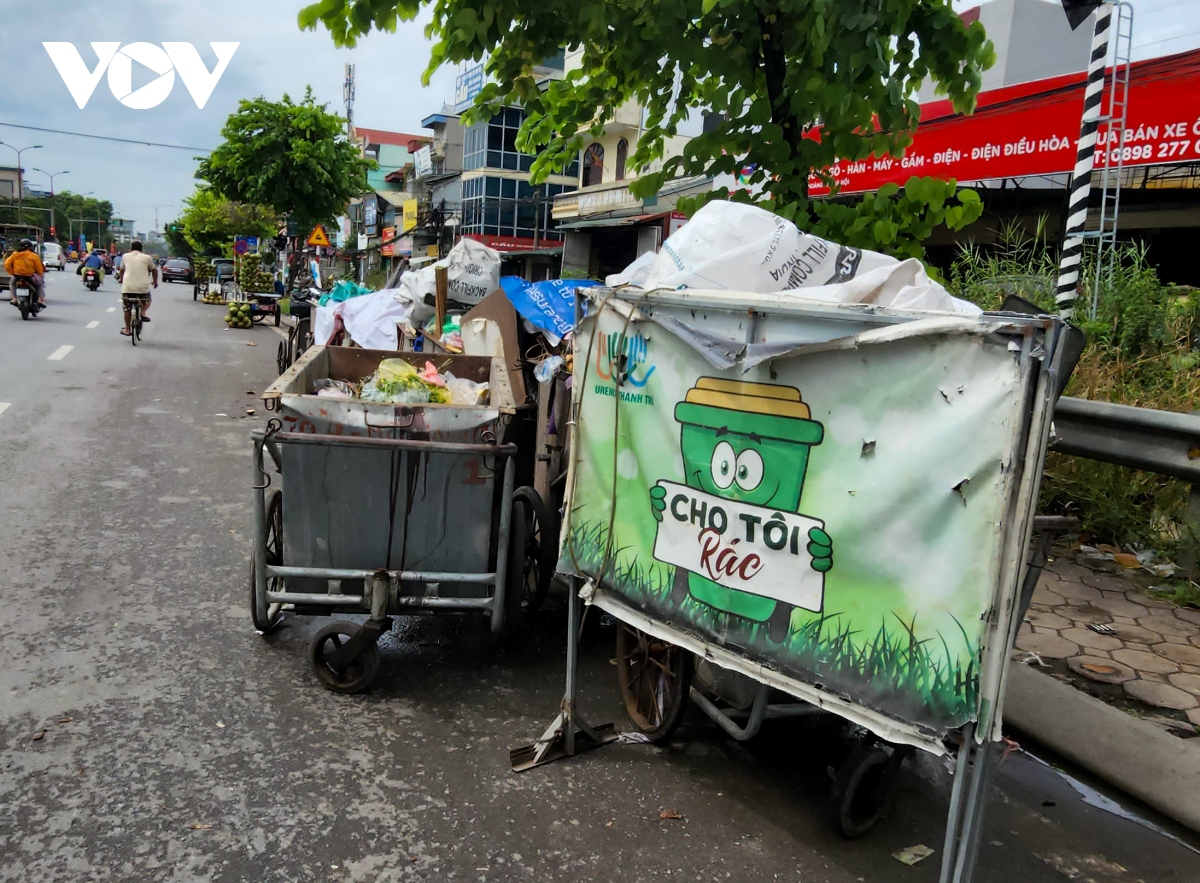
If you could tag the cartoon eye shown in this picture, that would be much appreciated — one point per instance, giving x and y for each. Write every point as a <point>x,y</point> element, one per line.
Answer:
<point>749,469</point>
<point>723,465</point>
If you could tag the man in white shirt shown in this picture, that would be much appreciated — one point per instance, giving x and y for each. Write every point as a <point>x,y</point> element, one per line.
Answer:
<point>137,275</point>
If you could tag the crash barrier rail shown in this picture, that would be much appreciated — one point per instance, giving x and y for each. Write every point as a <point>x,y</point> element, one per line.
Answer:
<point>1163,442</point>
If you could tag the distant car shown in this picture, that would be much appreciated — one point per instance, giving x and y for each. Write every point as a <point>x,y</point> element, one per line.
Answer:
<point>53,256</point>
<point>223,268</point>
<point>178,270</point>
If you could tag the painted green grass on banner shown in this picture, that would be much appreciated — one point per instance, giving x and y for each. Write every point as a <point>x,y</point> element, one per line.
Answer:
<point>891,669</point>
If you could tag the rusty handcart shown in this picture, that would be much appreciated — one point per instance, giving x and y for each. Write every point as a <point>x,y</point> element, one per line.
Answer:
<point>384,509</point>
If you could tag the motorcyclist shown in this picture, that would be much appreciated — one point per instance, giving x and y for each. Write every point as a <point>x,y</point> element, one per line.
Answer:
<point>93,261</point>
<point>25,262</point>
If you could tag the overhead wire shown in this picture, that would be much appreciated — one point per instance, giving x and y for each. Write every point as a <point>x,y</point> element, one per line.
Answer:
<point>106,137</point>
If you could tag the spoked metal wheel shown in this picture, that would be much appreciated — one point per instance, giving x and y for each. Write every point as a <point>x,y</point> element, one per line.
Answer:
<point>327,656</point>
<point>863,787</point>
<point>266,616</point>
<point>655,677</point>
<point>540,550</point>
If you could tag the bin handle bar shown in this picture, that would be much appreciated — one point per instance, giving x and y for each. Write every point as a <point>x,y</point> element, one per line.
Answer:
<point>349,441</point>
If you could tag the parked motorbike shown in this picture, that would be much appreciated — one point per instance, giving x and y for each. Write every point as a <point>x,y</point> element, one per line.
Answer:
<point>91,279</point>
<point>26,297</point>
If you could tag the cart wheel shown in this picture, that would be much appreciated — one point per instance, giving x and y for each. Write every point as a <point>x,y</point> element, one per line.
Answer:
<point>540,550</point>
<point>863,788</point>
<point>514,578</point>
<point>655,677</point>
<point>358,674</point>
<point>266,616</point>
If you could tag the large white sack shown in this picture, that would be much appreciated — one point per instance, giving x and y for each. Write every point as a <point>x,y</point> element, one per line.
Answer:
<point>472,273</point>
<point>730,245</point>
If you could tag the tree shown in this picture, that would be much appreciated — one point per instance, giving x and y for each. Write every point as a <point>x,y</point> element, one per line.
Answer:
<point>792,87</point>
<point>177,243</point>
<point>291,157</point>
<point>210,221</point>
<point>72,213</point>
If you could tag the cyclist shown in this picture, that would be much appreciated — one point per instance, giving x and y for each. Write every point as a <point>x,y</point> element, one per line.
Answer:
<point>25,262</point>
<point>137,275</point>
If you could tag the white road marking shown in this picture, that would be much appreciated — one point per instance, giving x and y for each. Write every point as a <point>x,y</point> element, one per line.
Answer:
<point>4,406</point>
<point>111,310</point>
<point>95,323</point>
<point>59,354</point>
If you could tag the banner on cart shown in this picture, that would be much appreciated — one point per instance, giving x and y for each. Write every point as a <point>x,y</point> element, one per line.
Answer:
<point>834,515</point>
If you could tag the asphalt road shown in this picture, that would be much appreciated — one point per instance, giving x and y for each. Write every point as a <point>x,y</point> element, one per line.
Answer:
<point>148,734</point>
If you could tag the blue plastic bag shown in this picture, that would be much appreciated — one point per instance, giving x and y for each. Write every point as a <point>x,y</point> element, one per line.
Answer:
<point>549,305</point>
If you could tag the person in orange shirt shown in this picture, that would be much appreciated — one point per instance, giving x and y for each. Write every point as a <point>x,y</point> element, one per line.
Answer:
<point>25,262</point>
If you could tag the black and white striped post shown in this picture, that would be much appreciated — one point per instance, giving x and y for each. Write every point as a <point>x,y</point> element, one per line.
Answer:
<point>1081,179</point>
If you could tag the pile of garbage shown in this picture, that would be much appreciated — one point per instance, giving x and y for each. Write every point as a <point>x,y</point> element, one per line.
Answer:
<point>399,382</point>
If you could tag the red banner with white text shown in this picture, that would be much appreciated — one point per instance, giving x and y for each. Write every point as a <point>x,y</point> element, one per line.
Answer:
<point>1031,129</point>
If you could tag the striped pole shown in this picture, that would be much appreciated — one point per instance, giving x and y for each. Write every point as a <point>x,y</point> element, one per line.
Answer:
<point>1081,178</point>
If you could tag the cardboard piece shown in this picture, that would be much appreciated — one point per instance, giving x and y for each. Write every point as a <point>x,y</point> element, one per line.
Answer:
<point>499,309</point>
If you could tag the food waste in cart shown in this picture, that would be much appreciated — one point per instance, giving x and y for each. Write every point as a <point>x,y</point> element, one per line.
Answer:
<point>397,381</point>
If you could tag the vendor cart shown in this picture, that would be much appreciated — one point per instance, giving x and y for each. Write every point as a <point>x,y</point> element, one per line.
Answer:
<point>794,507</point>
<point>384,509</point>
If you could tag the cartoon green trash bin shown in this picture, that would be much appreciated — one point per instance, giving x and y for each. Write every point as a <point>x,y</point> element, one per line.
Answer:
<point>746,443</point>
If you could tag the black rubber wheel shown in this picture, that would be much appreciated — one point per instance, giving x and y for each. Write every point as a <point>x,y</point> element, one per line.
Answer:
<point>355,677</point>
<point>514,576</point>
<point>655,678</point>
<point>24,308</point>
<point>266,616</point>
<point>195,291</point>
<point>135,330</point>
<point>281,359</point>
<point>863,788</point>
<point>276,315</point>
<point>257,318</point>
<point>540,553</point>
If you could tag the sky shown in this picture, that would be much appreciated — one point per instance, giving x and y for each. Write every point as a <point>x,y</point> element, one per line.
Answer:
<point>273,57</point>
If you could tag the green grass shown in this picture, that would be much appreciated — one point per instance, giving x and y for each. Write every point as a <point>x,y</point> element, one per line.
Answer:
<point>884,666</point>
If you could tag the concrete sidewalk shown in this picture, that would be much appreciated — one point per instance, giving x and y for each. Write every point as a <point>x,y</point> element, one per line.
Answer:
<point>1109,678</point>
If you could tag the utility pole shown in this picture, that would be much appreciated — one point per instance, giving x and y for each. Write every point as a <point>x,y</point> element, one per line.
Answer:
<point>348,97</point>
<point>53,228</point>
<point>158,229</point>
<point>21,179</point>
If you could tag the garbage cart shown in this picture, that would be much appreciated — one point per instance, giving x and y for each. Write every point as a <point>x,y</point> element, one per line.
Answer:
<point>365,507</point>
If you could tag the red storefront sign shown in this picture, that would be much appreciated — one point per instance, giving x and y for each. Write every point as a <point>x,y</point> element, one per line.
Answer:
<point>514,243</point>
<point>1031,129</point>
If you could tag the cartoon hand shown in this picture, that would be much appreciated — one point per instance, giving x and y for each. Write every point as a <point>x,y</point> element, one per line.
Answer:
<point>820,546</point>
<point>658,501</point>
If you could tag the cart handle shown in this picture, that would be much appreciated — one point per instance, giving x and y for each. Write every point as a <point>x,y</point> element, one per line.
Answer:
<point>349,441</point>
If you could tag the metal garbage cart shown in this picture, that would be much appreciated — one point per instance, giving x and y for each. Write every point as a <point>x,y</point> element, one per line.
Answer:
<point>800,507</point>
<point>385,509</point>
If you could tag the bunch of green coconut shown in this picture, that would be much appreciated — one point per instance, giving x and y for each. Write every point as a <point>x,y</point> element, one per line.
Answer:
<point>238,315</point>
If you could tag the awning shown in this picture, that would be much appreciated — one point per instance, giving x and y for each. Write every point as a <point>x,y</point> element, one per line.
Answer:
<point>395,197</point>
<point>627,221</point>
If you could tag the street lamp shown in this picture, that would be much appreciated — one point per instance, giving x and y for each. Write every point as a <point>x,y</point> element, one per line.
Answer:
<point>53,228</point>
<point>21,178</point>
<point>156,208</point>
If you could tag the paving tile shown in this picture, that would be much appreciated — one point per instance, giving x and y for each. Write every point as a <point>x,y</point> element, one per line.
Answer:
<point>1188,614</point>
<point>1160,695</point>
<point>1136,634</point>
<point>1166,624</point>
<point>1140,660</point>
<point>1125,620</point>
<point>1048,620</point>
<point>1180,653</point>
<point>1042,595</point>
<point>1174,639</point>
<point>1183,680</point>
<point>1107,582</point>
<point>1147,601</point>
<point>1050,646</point>
<point>1152,676</point>
<point>1083,613</point>
<point>1106,671</point>
<point>1121,606</point>
<point>1191,669</point>
<point>1063,567</point>
<point>1092,640</point>
<point>1077,591</point>
<point>1193,714</point>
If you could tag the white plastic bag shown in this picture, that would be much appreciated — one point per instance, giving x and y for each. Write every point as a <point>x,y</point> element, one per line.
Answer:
<point>730,245</point>
<point>472,273</point>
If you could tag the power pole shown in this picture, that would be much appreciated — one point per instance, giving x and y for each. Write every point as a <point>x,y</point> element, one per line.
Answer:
<point>348,97</point>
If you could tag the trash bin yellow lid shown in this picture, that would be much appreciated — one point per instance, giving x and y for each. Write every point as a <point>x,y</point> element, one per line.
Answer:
<point>766,410</point>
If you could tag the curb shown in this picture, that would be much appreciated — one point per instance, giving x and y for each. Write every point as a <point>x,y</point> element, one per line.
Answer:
<point>1161,770</point>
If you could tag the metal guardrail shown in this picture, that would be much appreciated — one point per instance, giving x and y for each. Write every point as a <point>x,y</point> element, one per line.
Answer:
<point>1163,442</point>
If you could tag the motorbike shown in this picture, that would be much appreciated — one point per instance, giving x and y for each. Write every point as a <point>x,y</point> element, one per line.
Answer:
<point>91,279</point>
<point>26,297</point>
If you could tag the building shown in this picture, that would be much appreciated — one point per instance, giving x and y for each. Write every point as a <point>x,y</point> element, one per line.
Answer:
<point>436,182</point>
<point>10,180</point>
<point>121,231</point>
<point>605,226</point>
<point>392,151</point>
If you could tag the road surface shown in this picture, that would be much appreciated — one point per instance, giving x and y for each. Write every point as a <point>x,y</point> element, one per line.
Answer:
<point>148,734</point>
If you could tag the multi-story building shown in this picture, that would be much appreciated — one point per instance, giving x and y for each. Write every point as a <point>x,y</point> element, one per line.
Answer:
<point>435,180</point>
<point>605,226</point>
<point>10,180</point>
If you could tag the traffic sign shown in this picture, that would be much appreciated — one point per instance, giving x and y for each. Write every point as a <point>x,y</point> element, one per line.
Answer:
<point>318,237</point>
<point>241,246</point>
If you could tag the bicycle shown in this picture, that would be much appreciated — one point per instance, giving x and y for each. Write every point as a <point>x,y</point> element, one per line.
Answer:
<point>134,305</point>
<point>298,340</point>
